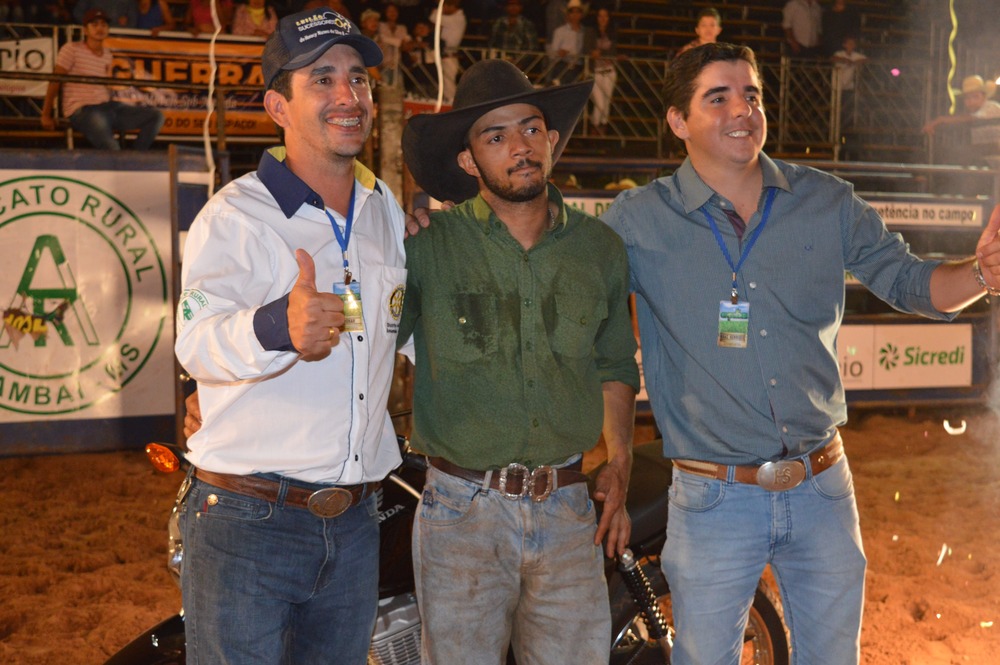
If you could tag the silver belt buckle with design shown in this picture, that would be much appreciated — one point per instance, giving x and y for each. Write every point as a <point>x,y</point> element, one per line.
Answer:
<point>781,475</point>
<point>329,502</point>
<point>547,473</point>
<point>517,470</point>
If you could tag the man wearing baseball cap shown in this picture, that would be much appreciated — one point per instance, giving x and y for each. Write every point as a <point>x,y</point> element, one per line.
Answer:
<point>518,307</point>
<point>89,106</point>
<point>287,321</point>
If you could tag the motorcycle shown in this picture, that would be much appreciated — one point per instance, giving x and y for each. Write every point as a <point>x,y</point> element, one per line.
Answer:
<point>640,599</point>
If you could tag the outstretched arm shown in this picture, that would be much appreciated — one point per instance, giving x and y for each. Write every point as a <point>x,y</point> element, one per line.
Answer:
<point>954,285</point>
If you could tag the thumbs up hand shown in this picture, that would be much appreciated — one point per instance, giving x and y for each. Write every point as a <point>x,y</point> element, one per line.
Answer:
<point>314,318</point>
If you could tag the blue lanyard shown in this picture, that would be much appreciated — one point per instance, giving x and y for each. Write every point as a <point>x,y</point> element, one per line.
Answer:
<point>345,237</point>
<point>750,242</point>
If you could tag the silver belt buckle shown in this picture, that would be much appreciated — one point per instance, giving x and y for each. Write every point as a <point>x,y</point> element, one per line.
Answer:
<point>549,474</point>
<point>329,502</point>
<point>516,469</point>
<point>781,475</point>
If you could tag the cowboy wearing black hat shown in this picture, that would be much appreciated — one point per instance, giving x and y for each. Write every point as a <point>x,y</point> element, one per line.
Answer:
<point>518,307</point>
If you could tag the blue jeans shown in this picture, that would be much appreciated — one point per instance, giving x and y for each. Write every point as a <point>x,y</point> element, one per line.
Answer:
<point>268,583</point>
<point>100,122</point>
<point>721,534</point>
<point>491,571</point>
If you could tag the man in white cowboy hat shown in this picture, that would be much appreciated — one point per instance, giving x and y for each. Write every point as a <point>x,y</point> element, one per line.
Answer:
<point>569,42</point>
<point>518,307</point>
<point>976,98</point>
<point>287,321</point>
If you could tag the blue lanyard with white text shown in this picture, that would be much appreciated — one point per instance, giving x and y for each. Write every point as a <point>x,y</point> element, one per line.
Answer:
<point>345,237</point>
<point>746,249</point>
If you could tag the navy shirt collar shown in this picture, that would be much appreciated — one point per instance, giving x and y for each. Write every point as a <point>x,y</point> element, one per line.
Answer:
<point>289,191</point>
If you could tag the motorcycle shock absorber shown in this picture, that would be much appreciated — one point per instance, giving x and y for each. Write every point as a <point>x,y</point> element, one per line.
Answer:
<point>645,598</point>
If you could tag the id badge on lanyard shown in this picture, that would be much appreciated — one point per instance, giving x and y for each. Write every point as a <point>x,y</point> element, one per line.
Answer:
<point>349,290</point>
<point>734,314</point>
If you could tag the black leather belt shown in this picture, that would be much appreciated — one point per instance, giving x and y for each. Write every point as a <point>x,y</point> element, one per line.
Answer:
<point>327,502</point>
<point>515,481</point>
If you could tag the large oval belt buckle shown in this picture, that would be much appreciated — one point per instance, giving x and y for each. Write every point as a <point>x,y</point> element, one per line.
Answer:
<point>329,502</point>
<point>781,475</point>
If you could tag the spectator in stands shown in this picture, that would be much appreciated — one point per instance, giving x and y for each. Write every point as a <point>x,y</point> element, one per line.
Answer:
<point>116,11</point>
<point>198,18</point>
<point>568,45</point>
<point>708,29</point>
<point>838,23</point>
<point>391,36</point>
<point>846,63</point>
<point>153,15</point>
<point>976,98</point>
<point>420,58</point>
<point>89,106</point>
<point>555,16</point>
<point>420,48</point>
<point>603,54</point>
<point>368,23</point>
<point>802,21</point>
<point>453,23</point>
<point>514,32</point>
<point>254,19</point>
<point>974,147</point>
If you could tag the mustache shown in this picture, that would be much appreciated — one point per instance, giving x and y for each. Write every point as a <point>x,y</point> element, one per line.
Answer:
<point>524,162</point>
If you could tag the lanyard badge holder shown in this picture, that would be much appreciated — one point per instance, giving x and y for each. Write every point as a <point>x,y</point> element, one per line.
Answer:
<point>734,314</point>
<point>349,290</point>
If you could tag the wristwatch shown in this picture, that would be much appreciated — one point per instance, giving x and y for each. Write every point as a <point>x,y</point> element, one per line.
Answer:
<point>981,281</point>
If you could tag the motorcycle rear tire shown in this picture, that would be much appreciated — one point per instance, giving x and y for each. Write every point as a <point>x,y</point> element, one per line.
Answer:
<point>765,641</point>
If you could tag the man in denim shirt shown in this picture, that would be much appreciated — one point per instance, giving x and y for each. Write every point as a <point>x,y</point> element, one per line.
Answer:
<point>737,262</point>
<point>518,306</point>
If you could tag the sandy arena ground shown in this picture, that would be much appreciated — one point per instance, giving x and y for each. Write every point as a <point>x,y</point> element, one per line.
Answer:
<point>83,541</point>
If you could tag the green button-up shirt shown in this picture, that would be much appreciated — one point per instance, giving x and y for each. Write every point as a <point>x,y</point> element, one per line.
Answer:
<point>512,345</point>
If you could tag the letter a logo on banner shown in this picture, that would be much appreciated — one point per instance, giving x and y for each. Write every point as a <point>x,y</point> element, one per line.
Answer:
<point>50,302</point>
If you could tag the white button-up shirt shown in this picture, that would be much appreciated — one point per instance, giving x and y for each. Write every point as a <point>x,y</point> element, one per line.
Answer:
<point>263,409</point>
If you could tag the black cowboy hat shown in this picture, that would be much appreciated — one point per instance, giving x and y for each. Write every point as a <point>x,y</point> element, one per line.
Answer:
<point>432,141</point>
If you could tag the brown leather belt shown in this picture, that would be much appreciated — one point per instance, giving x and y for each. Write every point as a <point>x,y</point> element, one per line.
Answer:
<point>326,502</point>
<point>775,476</point>
<point>515,481</point>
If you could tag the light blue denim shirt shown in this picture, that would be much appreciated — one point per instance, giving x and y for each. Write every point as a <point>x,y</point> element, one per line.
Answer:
<point>782,395</point>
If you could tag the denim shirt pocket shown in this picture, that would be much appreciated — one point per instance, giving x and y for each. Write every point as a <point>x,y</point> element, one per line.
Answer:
<point>578,317</point>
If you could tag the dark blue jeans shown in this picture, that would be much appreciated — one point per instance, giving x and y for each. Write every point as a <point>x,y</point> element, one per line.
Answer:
<point>268,583</point>
<point>100,122</point>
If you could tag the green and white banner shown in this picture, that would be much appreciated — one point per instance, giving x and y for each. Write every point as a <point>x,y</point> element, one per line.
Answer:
<point>85,291</point>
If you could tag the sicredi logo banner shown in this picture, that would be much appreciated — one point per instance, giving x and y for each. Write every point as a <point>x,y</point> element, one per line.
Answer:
<point>905,356</point>
<point>85,295</point>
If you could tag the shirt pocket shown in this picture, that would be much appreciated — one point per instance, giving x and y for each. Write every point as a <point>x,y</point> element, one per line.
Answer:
<point>467,327</point>
<point>577,320</point>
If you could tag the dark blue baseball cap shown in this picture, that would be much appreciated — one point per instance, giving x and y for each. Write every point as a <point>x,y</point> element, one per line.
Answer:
<point>303,37</point>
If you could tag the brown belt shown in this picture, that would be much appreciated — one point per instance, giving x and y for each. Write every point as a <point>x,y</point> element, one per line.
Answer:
<point>515,481</point>
<point>775,476</point>
<point>327,502</point>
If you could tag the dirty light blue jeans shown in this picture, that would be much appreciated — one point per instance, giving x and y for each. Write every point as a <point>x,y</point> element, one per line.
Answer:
<point>266,583</point>
<point>492,571</point>
<point>721,534</point>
